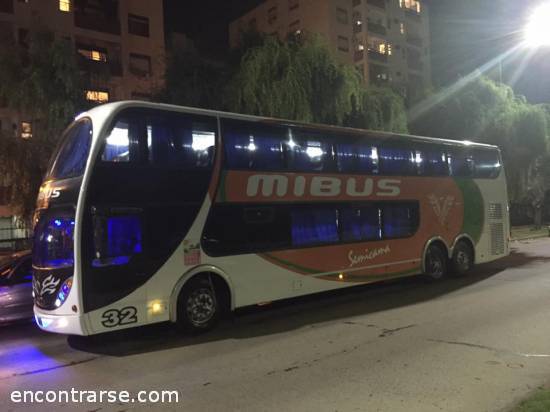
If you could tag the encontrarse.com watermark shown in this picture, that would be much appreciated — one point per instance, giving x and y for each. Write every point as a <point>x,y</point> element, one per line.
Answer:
<point>94,396</point>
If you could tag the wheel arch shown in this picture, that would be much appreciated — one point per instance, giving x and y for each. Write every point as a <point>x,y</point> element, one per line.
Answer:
<point>193,273</point>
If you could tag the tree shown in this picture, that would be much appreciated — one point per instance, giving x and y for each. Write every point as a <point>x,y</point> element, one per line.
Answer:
<point>300,79</point>
<point>44,84</point>
<point>381,109</point>
<point>191,80</point>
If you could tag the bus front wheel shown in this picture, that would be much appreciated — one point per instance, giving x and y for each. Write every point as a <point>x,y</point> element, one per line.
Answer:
<point>463,258</point>
<point>435,265</point>
<point>198,305</point>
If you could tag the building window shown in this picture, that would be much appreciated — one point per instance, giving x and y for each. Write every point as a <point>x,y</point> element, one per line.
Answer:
<point>65,5</point>
<point>140,65</point>
<point>379,45</point>
<point>97,96</point>
<point>26,130</point>
<point>96,55</point>
<point>343,43</point>
<point>342,16</point>
<point>138,25</point>
<point>272,15</point>
<point>293,4</point>
<point>413,5</point>
<point>402,28</point>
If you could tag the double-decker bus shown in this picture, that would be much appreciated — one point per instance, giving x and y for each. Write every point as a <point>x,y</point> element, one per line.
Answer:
<point>152,213</point>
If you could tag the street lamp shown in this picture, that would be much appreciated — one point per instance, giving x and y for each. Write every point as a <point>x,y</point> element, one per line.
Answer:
<point>537,31</point>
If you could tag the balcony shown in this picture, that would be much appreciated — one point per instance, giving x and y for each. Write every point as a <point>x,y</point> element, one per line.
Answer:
<point>415,41</point>
<point>379,57</point>
<point>6,6</point>
<point>357,28</point>
<point>378,3</point>
<point>101,23</point>
<point>358,55</point>
<point>376,28</point>
<point>356,3</point>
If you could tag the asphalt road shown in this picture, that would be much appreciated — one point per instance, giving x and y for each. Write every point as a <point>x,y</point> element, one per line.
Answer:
<point>479,343</point>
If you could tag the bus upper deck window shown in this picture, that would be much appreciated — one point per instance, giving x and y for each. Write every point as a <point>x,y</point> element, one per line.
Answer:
<point>180,142</point>
<point>117,144</point>
<point>434,163</point>
<point>396,161</point>
<point>462,163</point>
<point>486,163</point>
<point>306,154</point>
<point>357,158</point>
<point>248,146</point>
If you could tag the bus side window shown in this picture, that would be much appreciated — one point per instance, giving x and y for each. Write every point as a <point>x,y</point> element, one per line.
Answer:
<point>360,223</point>
<point>434,163</point>
<point>462,163</point>
<point>486,164</point>
<point>251,148</point>
<point>116,238</point>
<point>306,153</point>
<point>357,158</point>
<point>396,161</point>
<point>399,220</point>
<point>119,145</point>
<point>181,142</point>
<point>314,226</point>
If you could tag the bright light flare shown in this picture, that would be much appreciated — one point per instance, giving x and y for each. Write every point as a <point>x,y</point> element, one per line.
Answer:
<point>537,31</point>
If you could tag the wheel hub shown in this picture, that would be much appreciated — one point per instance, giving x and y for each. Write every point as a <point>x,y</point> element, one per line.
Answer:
<point>201,306</point>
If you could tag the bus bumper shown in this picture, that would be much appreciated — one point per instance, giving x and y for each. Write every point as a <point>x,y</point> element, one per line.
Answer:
<point>65,324</point>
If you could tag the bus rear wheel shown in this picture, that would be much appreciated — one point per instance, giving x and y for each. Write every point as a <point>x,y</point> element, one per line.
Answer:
<point>198,305</point>
<point>435,264</point>
<point>463,258</point>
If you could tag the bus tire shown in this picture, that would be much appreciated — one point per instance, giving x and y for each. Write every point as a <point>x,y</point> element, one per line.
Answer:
<point>435,263</point>
<point>463,258</point>
<point>199,306</point>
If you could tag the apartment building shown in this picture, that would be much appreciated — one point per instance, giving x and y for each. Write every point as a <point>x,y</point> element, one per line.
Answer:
<point>119,42</point>
<point>387,40</point>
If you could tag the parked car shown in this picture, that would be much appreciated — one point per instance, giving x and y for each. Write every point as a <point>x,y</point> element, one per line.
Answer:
<point>16,302</point>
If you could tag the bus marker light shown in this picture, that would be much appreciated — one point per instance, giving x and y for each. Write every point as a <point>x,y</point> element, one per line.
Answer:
<point>157,307</point>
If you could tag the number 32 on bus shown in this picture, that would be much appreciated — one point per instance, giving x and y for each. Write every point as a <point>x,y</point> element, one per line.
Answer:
<point>152,213</point>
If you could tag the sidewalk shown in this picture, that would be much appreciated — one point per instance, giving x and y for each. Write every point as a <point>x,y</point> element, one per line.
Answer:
<point>528,232</point>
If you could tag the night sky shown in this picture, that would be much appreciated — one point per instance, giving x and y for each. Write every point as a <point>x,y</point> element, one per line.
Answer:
<point>465,35</point>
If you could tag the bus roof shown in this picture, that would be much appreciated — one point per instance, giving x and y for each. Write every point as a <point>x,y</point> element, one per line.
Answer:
<point>102,110</point>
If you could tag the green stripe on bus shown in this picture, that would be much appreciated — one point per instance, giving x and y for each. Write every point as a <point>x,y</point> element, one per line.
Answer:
<point>474,208</point>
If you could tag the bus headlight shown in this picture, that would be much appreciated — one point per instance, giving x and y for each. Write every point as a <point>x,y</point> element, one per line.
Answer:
<point>64,292</point>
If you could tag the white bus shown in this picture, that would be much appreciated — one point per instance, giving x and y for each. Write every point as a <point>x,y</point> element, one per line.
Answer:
<point>152,213</point>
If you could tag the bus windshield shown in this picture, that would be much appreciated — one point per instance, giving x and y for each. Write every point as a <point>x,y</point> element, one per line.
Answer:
<point>71,156</point>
